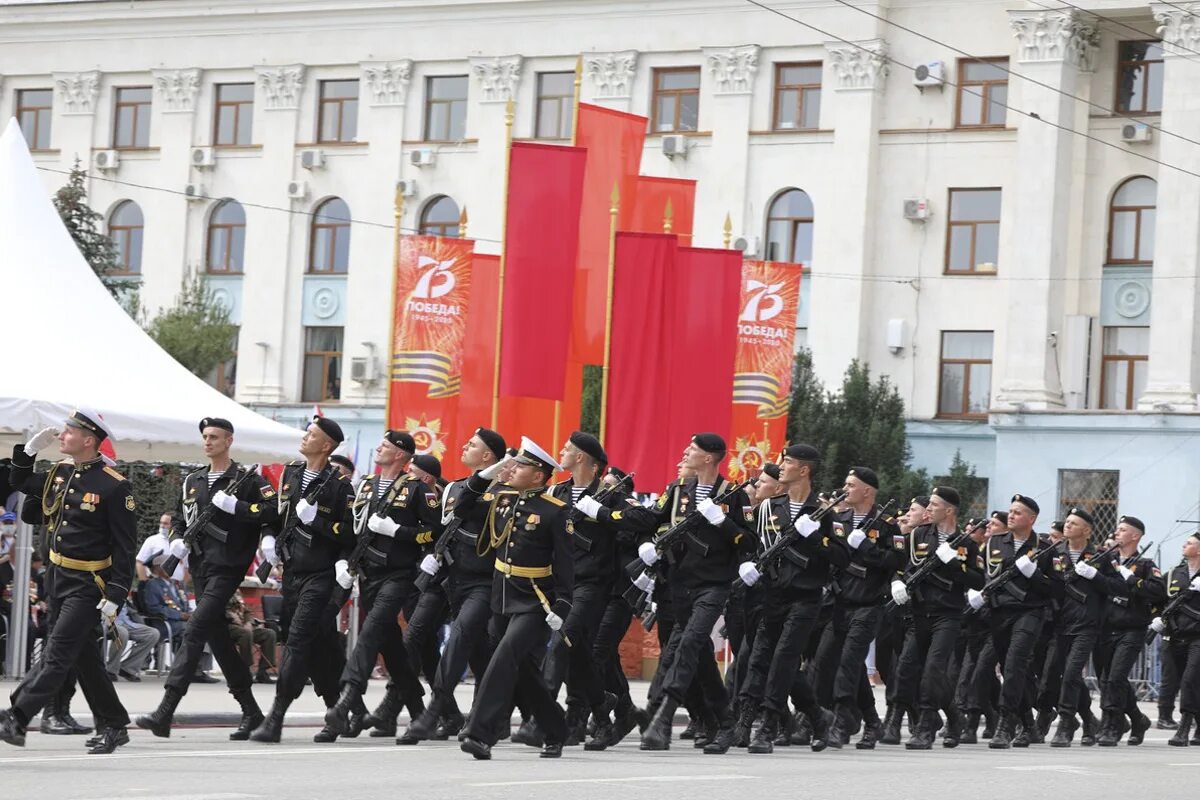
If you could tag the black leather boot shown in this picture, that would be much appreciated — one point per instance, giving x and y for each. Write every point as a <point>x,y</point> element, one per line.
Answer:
<point>922,737</point>
<point>12,730</point>
<point>252,716</point>
<point>692,728</point>
<point>576,726</point>
<point>602,717</point>
<point>424,726</point>
<point>658,734</point>
<point>1067,725</point>
<point>722,738</point>
<point>1090,726</point>
<point>52,724</point>
<point>1137,729</point>
<point>870,736</point>
<point>891,726</point>
<point>528,733</point>
<point>1045,718</point>
<point>110,740</point>
<point>706,732</point>
<point>625,722</point>
<point>787,726</point>
<point>970,731</point>
<point>158,721</point>
<point>822,721</point>
<point>1003,737</point>
<point>382,720</point>
<point>802,736</point>
<point>73,727</point>
<point>480,751</point>
<point>271,728</point>
<point>1166,720</point>
<point>839,732</point>
<point>452,721</point>
<point>990,720</point>
<point>763,740</point>
<point>337,718</point>
<point>1180,739</point>
<point>745,723</point>
<point>954,724</point>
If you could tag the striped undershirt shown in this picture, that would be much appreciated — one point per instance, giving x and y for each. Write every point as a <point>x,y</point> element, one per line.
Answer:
<point>212,478</point>
<point>858,519</point>
<point>309,477</point>
<point>794,508</point>
<point>703,491</point>
<point>576,493</point>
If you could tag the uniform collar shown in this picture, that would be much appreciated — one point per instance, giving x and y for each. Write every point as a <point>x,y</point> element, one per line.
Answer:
<point>84,466</point>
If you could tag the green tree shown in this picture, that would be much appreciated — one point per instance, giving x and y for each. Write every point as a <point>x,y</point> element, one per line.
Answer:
<point>970,487</point>
<point>196,330</point>
<point>590,402</point>
<point>156,489</point>
<point>86,228</point>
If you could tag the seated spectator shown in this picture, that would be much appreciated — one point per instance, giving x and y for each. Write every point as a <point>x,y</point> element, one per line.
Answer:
<point>144,638</point>
<point>165,603</point>
<point>154,544</point>
<point>247,631</point>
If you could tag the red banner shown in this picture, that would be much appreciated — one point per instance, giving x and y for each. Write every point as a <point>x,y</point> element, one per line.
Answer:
<point>545,186</point>
<point>650,206</point>
<point>762,384</point>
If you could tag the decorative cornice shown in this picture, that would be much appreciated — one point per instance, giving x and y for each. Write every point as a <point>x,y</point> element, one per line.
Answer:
<point>733,68</point>
<point>612,73</point>
<point>177,88</point>
<point>78,91</point>
<point>1055,36</point>
<point>861,66</point>
<point>282,86</point>
<point>498,77</point>
<point>1179,27</point>
<point>388,81</point>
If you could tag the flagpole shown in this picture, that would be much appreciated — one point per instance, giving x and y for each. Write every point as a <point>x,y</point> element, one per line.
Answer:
<point>668,217</point>
<point>462,223</point>
<point>508,137</point>
<point>398,210</point>
<point>727,236</point>
<point>613,210</point>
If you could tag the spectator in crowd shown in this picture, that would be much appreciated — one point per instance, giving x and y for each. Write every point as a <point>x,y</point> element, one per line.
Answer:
<point>165,602</point>
<point>153,545</point>
<point>248,631</point>
<point>144,638</point>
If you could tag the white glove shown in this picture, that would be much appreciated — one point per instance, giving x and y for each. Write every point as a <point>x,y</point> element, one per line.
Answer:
<point>1125,571</point>
<point>179,549</point>
<point>268,549</point>
<point>341,573</point>
<point>1085,570</point>
<point>1026,567</point>
<point>805,526</point>
<point>647,554</point>
<point>946,553</point>
<point>491,472</point>
<point>644,582</point>
<point>856,538</point>
<point>225,502</point>
<point>975,598</point>
<point>39,441</point>
<point>1195,584</point>
<point>590,506</point>
<point>383,525</point>
<point>748,573</point>
<point>108,610</point>
<point>1157,625</point>
<point>899,592</point>
<point>554,621</point>
<point>430,565</point>
<point>711,511</point>
<point>305,511</point>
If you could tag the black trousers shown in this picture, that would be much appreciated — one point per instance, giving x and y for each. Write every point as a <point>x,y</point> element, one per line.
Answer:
<point>515,669</point>
<point>207,625</point>
<point>606,650</point>
<point>784,630</point>
<point>420,637</point>
<point>1185,653</point>
<point>1168,689</point>
<point>688,655</point>
<point>1015,634</point>
<point>383,596</point>
<point>1075,650</point>
<point>1116,652</point>
<point>72,645</point>
<point>928,652</point>
<point>888,647</point>
<point>861,626</point>
<point>978,684</point>
<point>468,641</point>
<point>576,664</point>
<point>312,648</point>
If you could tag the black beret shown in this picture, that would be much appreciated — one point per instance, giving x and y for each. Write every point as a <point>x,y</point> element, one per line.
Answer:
<point>341,460</point>
<point>492,440</point>
<point>1002,516</point>
<point>590,445</point>
<point>710,443</point>
<point>772,470</point>
<point>1057,525</point>
<point>1028,502</point>
<point>330,428</point>
<point>802,452</point>
<point>1134,522</point>
<point>1083,515</point>
<point>947,493</point>
<point>401,439</point>
<point>621,474</point>
<point>428,464</point>
<point>216,422</point>
<point>866,475</point>
<point>1195,535</point>
<point>921,500</point>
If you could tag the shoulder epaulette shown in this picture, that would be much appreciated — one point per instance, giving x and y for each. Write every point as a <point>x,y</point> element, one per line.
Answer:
<point>296,463</point>
<point>554,500</point>
<point>112,472</point>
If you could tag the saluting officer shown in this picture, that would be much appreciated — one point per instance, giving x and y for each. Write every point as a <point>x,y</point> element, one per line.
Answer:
<point>218,562</point>
<point>88,510</point>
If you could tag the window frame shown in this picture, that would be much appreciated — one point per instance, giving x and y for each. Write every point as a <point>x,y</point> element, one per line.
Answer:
<point>566,108</point>
<point>966,363</point>
<point>323,106</point>
<point>335,227</point>
<point>229,228</point>
<point>1113,209</point>
<point>22,109</point>
<point>236,105</point>
<point>800,88</point>
<point>430,104</point>
<point>793,224</point>
<point>985,96</point>
<point>951,224</point>
<point>1129,361</point>
<point>1121,67</point>
<point>424,226</point>
<point>117,233</point>
<point>656,93</point>
<point>137,106</point>
<point>326,356</point>
<point>1104,510</point>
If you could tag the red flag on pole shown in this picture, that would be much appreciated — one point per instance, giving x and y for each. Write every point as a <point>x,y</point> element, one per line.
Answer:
<point>650,205</point>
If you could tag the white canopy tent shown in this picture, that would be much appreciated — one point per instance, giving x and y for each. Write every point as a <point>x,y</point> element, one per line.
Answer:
<point>71,344</point>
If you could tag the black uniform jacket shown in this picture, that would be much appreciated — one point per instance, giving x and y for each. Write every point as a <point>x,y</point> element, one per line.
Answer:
<point>230,540</point>
<point>316,546</point>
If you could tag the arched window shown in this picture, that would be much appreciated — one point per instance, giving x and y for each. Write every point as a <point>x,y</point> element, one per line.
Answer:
<point>226,238</point>
<point>125,228</point>
<point>329,250</point>
<point>790,228</point>
<point>440,217</point>
<point>1131,219</point>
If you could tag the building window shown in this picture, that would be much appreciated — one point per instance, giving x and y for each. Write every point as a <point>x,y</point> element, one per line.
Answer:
<point>233,117</point>
<point>790,228</point>
<point>223,378</point>
<point>446,108</point>
<point>131,126</point>
<point>973,239</point>
<point>337,115</point>
<point>1123,367</point>
<point>441,217</point>
<point>329,250</point>
<point>322,365</point>
<point>555,105</point>
<point>1140,77</point>
<point>676,104</point>
<point>34,107</point>
<point>226,237</point>
<point>982,93</point>
<point>1094,490</point>
<point>1131,221</point>
<point>966,374</point>
<point>797,97</point>
<point>125,229</point>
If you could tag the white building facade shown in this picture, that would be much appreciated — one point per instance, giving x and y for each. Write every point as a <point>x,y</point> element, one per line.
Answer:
<point>985,233</point>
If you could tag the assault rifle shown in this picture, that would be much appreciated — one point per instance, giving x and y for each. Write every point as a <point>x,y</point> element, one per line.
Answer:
<point>363,537</point>
<point>284,540</point>
<point>790,534</point>
<point>1007,575</point>
<point>932,562</point>
<point>204,517</point>
<point>1169,609</point>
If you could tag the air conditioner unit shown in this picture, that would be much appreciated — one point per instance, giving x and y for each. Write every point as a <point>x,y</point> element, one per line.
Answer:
<point>312,159</point>
<point>298,190</point>
<point>108,160</point>
<point>930,74</point>
<point>423,157</point>
<point>675,145</point>
<point>1132,132</point>
<point>407,187</point>
<point>362,370</point>
<point>195,191</point>
<point>203,157</point>
<point>917,209</point>
<point>749,245</point>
